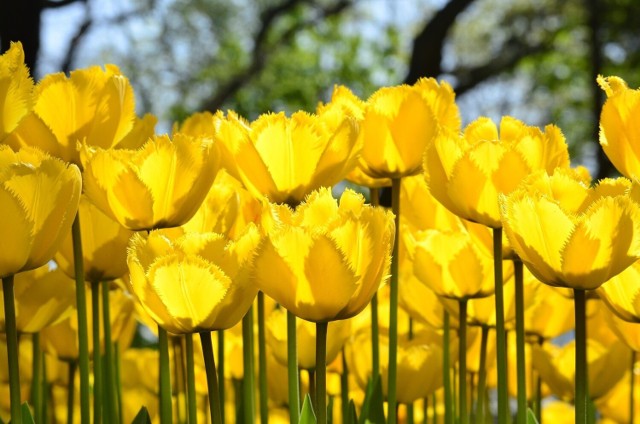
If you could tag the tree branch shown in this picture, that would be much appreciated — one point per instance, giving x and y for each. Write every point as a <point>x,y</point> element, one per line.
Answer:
<point>261,50</point>
<point>426,55</point>
<point>53,4</point>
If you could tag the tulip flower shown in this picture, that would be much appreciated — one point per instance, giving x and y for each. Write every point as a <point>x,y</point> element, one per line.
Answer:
<point>284,159</point>
<point>93,107</point>
<point>550,314</point>
<point>324,261</point>
<point>619,129</point>
<point>160,185</point>
<point>16,87</point>
<point>620,293</point>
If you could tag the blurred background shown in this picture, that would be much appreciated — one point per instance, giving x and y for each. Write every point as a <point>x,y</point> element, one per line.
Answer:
<point>536,60</point>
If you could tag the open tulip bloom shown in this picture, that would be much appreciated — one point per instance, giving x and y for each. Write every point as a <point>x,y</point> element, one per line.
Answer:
<point>572,235</point>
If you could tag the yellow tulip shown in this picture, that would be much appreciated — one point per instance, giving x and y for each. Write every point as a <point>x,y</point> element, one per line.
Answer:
<point>468,172</point>
<point>627,332</point>
<point>143,129</point>
<point>39,198</point>
<point>227,209</point>
<point>198,125</point>
<point>619,127</point>
<point>421,211</point>
<point>607,363</point>
<point>93,107</point>
<point>550,315</point>
<point>42,297</point>
<point>621,292</point>
<point>284,159</point>
<point>194,282</point>
<point>400,122</point>
<point>571,235</point>
<point>276,325</point>
<point>614,406</point>
<point>104,246</point>
<point>162,184</point>
<point>556,411</point>
<point>325,261</point>
<point>16,88</point>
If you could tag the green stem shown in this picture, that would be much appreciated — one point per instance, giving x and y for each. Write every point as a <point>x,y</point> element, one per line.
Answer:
<point>312,388</point>
<point>446,373</point>
<point>482,376</point>
<point>539,389</point>
<point>70,391</point>
<point>98,384</point>
<point>375,332</point>
<point>410,414</point>
<point>118,382</point>
<point>46,393</point>
<point>36,379</point>
<point>393,304</point>
<point>221,380</point>
<point>521,417</point>
<point>462,362</point>
<point>321,371</point>
<point>344,387</point>
<point>110,413</point>
<point>632,386</point>
<point>83,331</point>
<point>501,343</point>
<point>178,375</point>
<point>247,361</point>
<point>581,357</point>
<point>166,415</point>
<point>191,380</point>
<point>292,369</point>
<point>12,348</point>
<point>212,378</point>
<point>425,410</point>
<point>262,362</point>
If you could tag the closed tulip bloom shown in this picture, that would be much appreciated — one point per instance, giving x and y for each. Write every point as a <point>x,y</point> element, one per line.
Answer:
<point>43,297</point>
<point>337,334</point>
<point>39,198</point>
<point>621,293</point>
<point>285,158</point>
<point>550,315</point>
<point>619,126</point>
<point>400,122</point>
<point>15,89</point>
<point>627,332</point>
<point>325,261</point>
<point>467,172</point>
<point>160,185</point>
<point>421,211</point>
<point>193,282</point>
<point>419,301</point>
<point>104,246</point>
<point>570,235</point>
<point>92,106</point>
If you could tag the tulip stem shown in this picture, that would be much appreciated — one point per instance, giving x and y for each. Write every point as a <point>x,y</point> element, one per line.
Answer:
<point>110,413</point>
<point>393,304</point>
<point>462,362</point>
<point>375,332</point>
<point>212,378</point>
<point>118,380</point>
<point>221,380</point>
<point>482,376</point>
<point>12,348</point>
<point>98,384</point>
<point>292,369</point>
<point>191,381</point>
<point>166,415</point>
<point>71,376</point>
<point>83,331</point>
<point>581,357</point>
<point>262,362</point>
<point>248,387</point>
<point>501,344</point>
<point>344,386</point>
<point>36,379</point>
<point>632,386</point>
<point>321,371</point>
<point>446,373</point>
<point>521,417</point>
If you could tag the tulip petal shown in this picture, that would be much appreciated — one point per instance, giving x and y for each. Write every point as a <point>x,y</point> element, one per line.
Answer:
<point>16,240</point>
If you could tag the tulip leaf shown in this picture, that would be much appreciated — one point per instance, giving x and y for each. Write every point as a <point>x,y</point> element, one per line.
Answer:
<point>352,418</point>
<point>27,418</point>
<point>307,416</point>
<point>372,408</point>
<point>531,418</point>
<point>142,417</point>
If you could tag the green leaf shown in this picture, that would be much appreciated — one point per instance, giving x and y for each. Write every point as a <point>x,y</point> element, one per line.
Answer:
<point>373,406</point>
<point>142,417</point>
<point>353,414</point>
<point>307,415</point>
<point>27,418</point>
<point>531,418</point>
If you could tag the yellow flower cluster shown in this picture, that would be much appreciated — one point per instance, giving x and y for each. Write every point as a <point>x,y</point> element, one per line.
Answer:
<point>182,234</point>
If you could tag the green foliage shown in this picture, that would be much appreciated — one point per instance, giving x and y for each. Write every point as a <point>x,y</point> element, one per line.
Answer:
<point>142,417</point>
<point>372,407</point>
<point>307,416</point>
<point>531,418</point>
<point>27,417</point>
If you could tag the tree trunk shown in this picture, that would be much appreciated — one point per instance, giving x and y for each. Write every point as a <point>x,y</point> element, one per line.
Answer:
<point>20,21</point>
